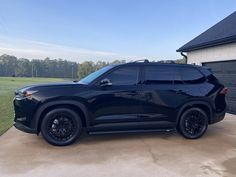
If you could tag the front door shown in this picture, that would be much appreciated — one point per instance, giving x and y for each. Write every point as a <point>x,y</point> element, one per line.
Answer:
<point>119,102</point>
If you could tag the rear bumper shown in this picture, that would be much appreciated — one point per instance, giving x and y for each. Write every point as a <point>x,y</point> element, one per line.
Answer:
<point>218,117</point>
<point>24,128</point>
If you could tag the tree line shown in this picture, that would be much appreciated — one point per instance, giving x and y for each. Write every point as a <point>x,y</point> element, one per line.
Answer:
<point>57,68</point>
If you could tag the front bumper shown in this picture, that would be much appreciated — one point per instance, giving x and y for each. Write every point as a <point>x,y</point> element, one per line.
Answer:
<point>24,128</point>
<point>24,110</point>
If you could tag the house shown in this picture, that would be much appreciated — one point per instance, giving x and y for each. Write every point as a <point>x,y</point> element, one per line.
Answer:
<point>216,48</point>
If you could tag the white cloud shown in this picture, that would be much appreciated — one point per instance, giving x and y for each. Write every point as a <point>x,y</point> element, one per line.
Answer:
<point>39,50</point>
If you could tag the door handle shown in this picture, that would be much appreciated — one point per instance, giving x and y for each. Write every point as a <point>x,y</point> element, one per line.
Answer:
<point>179,91</point>
<point>132,93</point>
<point>148,96</point>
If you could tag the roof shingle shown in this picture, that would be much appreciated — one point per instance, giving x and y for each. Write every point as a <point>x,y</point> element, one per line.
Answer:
<point>223,32</point>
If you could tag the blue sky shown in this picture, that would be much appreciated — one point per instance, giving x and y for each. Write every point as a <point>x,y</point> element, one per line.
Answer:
<point>105,29</point>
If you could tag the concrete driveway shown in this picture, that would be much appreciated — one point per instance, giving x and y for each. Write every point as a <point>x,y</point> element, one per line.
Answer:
<point>132,155</point>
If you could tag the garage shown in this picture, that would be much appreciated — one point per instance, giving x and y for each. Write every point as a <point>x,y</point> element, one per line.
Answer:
<point>216,49</point>
<point>225,71</point>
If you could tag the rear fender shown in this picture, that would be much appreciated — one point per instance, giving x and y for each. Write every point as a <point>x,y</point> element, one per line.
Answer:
<point>195,103</point>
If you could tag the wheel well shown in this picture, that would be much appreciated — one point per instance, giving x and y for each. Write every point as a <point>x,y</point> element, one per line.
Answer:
<point>204,107</point>
<point>69,106</point>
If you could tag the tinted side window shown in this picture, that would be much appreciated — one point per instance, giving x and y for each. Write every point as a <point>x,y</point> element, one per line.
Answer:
<point>191,75</point>
<point>124,76</point>
<point>161,75</point>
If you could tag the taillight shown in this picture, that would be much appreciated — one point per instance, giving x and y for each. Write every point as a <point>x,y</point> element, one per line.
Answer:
<point>224,91</point>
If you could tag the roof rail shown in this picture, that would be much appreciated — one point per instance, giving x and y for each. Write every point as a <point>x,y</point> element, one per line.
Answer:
<point>166,61</point>
<point>142,60</point>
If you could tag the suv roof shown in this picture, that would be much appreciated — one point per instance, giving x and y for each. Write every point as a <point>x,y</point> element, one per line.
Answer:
<point>146,62</point>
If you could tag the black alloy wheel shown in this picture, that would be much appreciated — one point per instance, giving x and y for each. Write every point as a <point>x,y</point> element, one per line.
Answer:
<point>193,123</point>
<point>61,127</point>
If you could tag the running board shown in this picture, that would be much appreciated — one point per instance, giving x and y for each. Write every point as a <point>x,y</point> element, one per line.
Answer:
<point>129,131</point>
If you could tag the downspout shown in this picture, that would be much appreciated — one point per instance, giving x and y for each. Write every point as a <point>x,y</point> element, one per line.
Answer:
<point>185,56</point>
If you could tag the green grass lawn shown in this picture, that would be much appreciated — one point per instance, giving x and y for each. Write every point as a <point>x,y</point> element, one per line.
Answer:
<point>7,87</point>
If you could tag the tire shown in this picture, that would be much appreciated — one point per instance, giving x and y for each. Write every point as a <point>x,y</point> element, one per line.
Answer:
<point>61,127</point>
<point>193,123</point>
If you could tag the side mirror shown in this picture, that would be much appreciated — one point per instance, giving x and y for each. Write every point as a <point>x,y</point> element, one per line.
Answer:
<point>105,82</point>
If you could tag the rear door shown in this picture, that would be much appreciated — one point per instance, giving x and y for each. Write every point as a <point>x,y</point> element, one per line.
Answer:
<point>160,94</point>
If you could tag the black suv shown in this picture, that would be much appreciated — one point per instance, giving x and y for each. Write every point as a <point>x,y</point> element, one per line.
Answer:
<point>133,97</point>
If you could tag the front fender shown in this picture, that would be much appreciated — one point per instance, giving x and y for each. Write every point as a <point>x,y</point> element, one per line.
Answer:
<point>37,116</point>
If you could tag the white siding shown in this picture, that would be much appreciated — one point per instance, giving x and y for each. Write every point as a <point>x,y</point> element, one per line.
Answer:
<point>218,53</point>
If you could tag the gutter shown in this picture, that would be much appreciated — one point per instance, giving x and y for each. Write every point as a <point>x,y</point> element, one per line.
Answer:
<point>185,56</point>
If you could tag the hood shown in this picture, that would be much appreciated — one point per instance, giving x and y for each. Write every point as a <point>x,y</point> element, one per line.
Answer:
<point>49,85</point>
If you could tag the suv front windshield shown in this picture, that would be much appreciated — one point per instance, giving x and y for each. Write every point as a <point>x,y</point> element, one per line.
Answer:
<point>91,77</point>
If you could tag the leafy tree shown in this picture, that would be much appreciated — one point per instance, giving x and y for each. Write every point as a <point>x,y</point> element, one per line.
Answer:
<point>59,68</point>
<point>8,65</point>
<point>181,61</point>
<point>86,68</point>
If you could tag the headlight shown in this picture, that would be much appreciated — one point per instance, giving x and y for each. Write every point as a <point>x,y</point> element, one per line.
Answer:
<point>29,93</point>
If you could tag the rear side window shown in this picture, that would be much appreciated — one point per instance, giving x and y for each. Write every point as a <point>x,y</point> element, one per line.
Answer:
<point>124,76</point>
<point>161,75</point>
<point>191,75</point>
